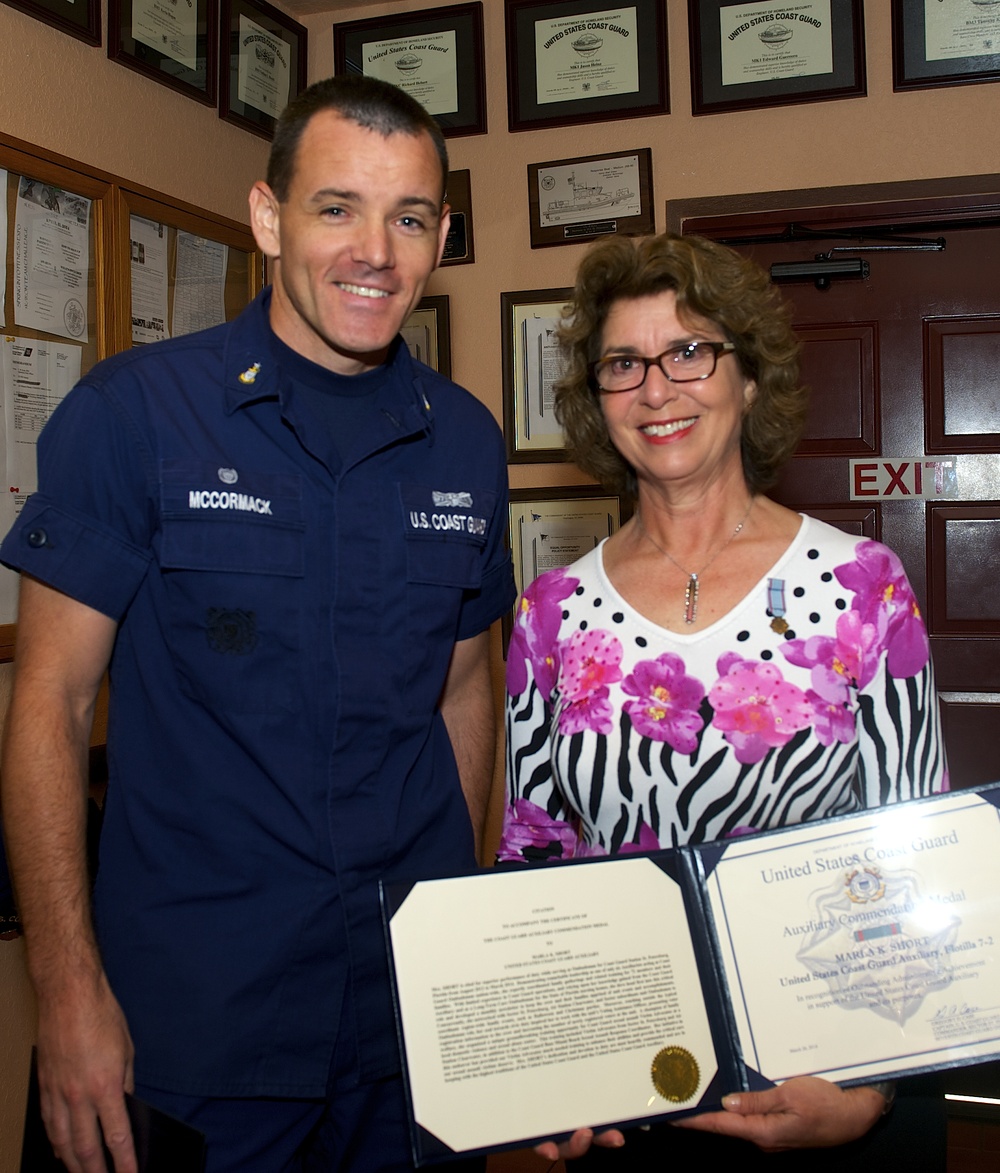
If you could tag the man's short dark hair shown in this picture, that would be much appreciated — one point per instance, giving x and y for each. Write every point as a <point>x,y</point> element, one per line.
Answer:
<point>373,104</point>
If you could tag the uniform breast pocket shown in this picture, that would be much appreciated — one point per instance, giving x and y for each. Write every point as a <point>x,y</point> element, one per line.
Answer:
<point>454,563</point>
<point>234,589</point>
<point>440,576</point>
<point>444,528</point>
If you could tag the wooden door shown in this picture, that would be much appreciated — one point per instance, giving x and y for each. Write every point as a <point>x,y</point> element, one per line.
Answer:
<point>906,364</point>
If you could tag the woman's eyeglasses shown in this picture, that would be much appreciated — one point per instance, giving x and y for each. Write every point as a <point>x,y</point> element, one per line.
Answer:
<point>680,364</point>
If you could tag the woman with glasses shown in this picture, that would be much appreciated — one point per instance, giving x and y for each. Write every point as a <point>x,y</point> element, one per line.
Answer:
<point>721,664</point>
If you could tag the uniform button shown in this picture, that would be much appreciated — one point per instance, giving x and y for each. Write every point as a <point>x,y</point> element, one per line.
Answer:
<point>38,538</point>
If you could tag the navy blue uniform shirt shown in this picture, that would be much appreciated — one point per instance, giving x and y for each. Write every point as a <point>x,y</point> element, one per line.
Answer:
<point>286,621</point>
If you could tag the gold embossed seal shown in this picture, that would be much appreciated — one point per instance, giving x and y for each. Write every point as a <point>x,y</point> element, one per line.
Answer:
<point>675,1074</point>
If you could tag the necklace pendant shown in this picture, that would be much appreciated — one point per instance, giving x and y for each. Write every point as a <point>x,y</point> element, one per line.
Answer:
<point>691,599</point>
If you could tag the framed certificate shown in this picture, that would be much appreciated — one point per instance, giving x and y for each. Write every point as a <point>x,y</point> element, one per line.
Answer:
<point>435,55</point>
<point>936,44</point>
<point>427,334</point>
<point>79,18</point>
<point>174,44</point>
<point>572,61</point>
<point>752,53</point>
<point>574,200</point>
<point>533,1001</point>
<point>532,364</point>
<point>262,64</point>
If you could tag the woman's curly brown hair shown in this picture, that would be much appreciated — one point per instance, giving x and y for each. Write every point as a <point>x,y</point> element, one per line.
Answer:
<point>710,281</point>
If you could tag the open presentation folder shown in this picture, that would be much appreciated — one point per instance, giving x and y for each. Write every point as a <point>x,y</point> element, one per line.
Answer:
<point>538,1000</point>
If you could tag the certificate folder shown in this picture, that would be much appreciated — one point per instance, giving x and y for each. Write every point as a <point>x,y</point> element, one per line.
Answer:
<point>163,1144</point>
<point>635,988</point>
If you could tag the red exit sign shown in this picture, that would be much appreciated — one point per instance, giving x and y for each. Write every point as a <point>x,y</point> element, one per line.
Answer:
<point>892,478</point>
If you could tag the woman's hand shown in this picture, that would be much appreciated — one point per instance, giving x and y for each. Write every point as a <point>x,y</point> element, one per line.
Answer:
<point>579,1143</point>
<point>803,1113</point>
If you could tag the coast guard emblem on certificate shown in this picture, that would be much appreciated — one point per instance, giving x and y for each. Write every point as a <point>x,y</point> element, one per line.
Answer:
<point>865,885</point>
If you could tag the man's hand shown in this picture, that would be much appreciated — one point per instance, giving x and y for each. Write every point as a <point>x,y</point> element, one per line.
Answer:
<point>84,1068</point>
<point>803,1113</point>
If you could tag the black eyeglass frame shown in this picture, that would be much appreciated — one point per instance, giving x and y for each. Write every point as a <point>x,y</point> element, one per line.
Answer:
<point>717,349</point>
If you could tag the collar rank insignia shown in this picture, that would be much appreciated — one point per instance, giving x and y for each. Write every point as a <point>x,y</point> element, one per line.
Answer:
<point>250,374</point>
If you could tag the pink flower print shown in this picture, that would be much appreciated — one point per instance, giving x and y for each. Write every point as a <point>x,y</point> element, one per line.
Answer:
<point>536,631</point>
<point>667,704</point>
<point>757,709</point>
<point>592,711</point>
<point>858,648</point>
<point>838,664</point>
<point>876,577</point>
<point>909,648</point>
<point>833,720</point>
<point>726,661</point>
<point>883,597</point>
<point>647,840</point>
<point>527,825</point>
<point>590,661</point>
<point>585,850</point>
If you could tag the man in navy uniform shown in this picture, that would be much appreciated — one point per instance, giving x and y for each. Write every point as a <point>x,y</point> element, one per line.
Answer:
<point>285,537</point>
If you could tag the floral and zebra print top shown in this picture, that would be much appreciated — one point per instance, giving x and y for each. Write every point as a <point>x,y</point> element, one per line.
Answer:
<point>813,697</point>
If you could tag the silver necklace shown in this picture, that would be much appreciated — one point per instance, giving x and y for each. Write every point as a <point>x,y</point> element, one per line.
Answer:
<point>693,577</point>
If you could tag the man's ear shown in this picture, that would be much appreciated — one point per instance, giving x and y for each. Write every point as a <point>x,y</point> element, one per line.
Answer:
<point>265,216</point>
<point>443,232</point>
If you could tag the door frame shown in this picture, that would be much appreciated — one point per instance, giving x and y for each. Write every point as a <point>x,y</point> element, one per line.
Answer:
<point>966,199</point>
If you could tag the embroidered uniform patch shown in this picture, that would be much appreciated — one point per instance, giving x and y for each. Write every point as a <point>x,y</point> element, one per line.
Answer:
<point>233,633</point>
<point>450,513</point>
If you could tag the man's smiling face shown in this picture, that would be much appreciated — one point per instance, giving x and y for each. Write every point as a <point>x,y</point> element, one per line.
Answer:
<point>355,241</point>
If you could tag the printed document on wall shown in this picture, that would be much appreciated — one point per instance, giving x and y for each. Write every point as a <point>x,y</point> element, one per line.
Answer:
<point>148,242</point>
<point>35,376</point>
<point>168,28</point>
<point>264,72</point>
<point>51,259</point>
<point>200,283</point>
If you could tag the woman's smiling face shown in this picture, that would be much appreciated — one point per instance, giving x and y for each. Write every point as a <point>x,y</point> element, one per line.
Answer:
<point>673,433</point>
